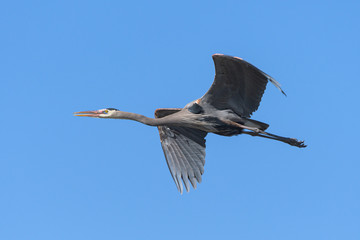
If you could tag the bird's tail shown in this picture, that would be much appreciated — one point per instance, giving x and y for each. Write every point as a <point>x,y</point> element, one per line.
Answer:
<point>255,124</point>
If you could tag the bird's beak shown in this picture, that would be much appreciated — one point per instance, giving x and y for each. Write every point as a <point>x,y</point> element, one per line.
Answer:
<point>88,113</point>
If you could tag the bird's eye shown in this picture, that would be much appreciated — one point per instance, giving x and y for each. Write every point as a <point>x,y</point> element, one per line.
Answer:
<point>106,111</point>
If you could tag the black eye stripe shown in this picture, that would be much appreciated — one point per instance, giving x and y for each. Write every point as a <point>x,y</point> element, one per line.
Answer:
<point>113,109</point>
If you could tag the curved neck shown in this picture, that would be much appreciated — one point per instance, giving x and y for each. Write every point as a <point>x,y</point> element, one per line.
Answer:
<point>141,118</point>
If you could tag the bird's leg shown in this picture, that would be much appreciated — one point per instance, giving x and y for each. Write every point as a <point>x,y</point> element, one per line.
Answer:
<point>291,141</point>
<point>260,133</point>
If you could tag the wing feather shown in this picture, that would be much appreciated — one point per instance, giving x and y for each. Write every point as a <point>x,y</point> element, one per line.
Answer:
<point>238,85</point>
<point>184,150</point>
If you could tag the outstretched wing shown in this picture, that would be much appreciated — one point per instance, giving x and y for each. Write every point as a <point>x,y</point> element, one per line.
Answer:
<point>184,150</point>
<point>238,85</point>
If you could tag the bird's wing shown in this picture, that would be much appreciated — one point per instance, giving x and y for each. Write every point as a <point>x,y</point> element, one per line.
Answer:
<point>238,85</point>
<point>184,150</point>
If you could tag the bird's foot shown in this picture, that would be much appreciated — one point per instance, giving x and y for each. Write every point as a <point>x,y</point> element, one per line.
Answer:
<point>296,143</point>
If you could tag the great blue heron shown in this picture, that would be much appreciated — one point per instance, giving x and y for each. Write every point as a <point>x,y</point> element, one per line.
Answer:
<point>224,110</point>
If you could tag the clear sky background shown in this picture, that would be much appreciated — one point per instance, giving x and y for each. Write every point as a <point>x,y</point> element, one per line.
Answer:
<point>63,177</point>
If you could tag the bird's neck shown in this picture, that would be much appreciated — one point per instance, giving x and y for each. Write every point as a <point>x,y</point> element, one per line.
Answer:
<point>141,118</point>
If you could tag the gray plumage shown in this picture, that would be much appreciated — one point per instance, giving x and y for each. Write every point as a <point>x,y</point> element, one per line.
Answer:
<point>224,110</point>
<point>184,150</point>
<point>238,86</point>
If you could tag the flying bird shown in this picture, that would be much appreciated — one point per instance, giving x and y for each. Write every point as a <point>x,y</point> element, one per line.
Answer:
<point>225,109</point>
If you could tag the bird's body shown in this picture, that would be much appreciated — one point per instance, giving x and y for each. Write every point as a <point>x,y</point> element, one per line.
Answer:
<point>218,122</point>
<point>224,110</point>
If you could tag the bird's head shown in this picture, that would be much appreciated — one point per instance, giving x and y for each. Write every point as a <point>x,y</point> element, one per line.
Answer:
<point>102,113</point>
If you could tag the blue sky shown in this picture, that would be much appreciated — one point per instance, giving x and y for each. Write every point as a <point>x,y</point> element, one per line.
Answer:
<point>63,177</point>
